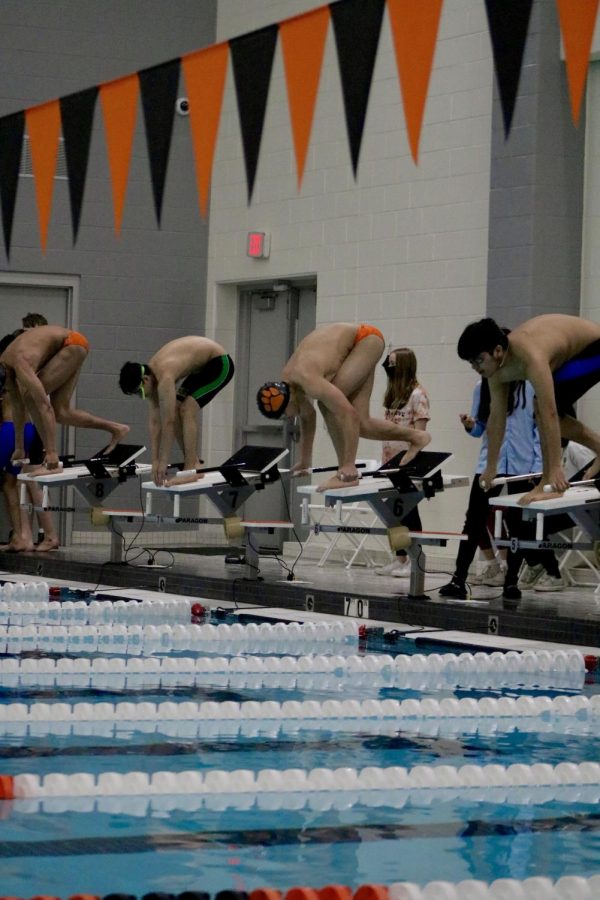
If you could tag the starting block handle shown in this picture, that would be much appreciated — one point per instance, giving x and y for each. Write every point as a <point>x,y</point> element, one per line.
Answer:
<point>588,482</point>
<point>509,479</point>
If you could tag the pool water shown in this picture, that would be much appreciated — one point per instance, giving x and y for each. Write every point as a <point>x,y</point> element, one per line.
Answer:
<point>138,844</point>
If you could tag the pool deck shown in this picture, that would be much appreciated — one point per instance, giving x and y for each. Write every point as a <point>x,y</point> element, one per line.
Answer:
<point>571,616</point>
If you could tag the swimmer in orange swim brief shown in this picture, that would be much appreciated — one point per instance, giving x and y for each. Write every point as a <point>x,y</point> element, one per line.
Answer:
<point>38,370</point>
<point>364,331</point>
<point>74,338</point>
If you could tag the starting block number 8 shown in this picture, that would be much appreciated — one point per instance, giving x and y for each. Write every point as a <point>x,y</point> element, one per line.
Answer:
<point>356,607</point>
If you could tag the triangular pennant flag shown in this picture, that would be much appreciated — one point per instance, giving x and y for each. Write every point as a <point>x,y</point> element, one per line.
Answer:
<point>303,45</point>
<point>508,21</point>
<point>205,81</point>
<point>577,23</point>
<point>11,147</point>
<point>43,128</point>
<point>357,26</point>
<point>414,29</point>
<point>159,86</point>
<point>252,60</point>
<point>119,108</point>
<point>77,114</point>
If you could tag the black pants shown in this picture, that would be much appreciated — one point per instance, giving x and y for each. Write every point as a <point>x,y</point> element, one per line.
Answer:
<point>476,520</point>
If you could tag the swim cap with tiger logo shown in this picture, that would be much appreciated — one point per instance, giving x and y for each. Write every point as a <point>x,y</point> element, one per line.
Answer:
<point>272,399</point>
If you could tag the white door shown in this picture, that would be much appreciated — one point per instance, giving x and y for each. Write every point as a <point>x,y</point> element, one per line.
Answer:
<point>272,323</point>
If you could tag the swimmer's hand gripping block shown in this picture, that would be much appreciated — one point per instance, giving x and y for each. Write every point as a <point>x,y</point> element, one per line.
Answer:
<point>98,516</point>
<point>234,529</point>
<point>399,537</point>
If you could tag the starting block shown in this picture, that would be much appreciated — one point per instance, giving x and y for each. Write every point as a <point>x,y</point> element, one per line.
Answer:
<point>94,478</point>
<point>580,502</point>
<point>392,492</point>
<point>227,487</point>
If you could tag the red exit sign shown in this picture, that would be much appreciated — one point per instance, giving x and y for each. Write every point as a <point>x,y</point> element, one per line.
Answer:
<point>259,244</point>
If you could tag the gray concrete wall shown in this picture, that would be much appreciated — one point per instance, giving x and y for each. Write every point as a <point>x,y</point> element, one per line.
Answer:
<point>536,197</point>
<point>149,286</point>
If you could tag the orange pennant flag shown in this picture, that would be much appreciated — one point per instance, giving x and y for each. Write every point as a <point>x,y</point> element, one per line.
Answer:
<point>43,128</point>
<point>414,29</point>
<point>119,108</point>
<point>204,74</point>
<point>577,23</point>
<point>303,44</point>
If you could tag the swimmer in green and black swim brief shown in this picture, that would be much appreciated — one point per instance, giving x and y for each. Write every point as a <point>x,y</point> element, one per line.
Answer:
<point>205,384</point>
<point>183,375</point>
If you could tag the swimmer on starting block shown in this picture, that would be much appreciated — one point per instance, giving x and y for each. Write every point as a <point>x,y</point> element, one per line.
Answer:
<point>560,356</point>
<point>203,368</point>
<point>40,369</point>
<point>335,365</point>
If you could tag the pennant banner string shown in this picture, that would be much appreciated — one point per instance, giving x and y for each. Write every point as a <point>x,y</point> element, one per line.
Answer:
<point>356,27</point>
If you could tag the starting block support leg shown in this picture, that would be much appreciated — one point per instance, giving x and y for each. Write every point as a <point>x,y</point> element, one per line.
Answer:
<point>116,547</point>
<point>251,565</point>
<point>418,564</point>
<point>539,527</point>
<point>304,509</point>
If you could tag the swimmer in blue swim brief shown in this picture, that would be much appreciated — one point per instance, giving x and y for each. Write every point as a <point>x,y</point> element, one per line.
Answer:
<point>184,375</point>
<point>560,356</point>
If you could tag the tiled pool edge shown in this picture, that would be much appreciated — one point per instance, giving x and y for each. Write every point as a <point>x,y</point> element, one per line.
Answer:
<point>390,608</point>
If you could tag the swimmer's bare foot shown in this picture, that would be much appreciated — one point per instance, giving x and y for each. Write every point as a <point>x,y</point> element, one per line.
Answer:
<point>339,480</point>
<point>17,547</point>
<point>419,440</point>
<point>43,470</point>
<point>538,493</point>
<point>118,432</point>
<point>46,545</point>
<point>186,479</point>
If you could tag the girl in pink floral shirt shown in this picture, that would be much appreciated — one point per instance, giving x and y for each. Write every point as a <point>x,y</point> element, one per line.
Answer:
<point>406,403</point>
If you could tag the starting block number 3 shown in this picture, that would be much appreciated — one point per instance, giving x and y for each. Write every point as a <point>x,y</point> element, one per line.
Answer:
<point>356,607</point>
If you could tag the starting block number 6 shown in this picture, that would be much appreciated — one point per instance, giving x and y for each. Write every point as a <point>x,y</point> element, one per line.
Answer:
<point>356,607</point>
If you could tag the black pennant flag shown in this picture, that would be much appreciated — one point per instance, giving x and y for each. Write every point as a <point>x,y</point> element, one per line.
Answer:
<point>11,146</point>
<point>252,61</point>
<point>77,117</point>
<point>357,26</point>
<point>508,21</point>
<point>158,87</point>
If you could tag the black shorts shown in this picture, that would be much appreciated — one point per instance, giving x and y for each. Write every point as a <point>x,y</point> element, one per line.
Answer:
<point>205,384</point>
<point>575,378</point>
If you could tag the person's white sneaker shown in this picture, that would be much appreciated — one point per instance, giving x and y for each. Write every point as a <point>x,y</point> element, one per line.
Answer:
<point>547,582</point>
<point>529,576</point>
<point>402,570</point>
<point>389,569</point>
<point>493,575</point>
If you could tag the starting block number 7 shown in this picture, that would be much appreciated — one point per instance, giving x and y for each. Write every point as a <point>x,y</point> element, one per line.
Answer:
<point>356,607</point>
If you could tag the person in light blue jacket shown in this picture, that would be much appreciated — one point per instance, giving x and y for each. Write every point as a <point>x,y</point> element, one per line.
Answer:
<point>520,454</point>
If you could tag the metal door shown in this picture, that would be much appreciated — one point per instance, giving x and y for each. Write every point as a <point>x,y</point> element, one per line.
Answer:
<point>272,322</point>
